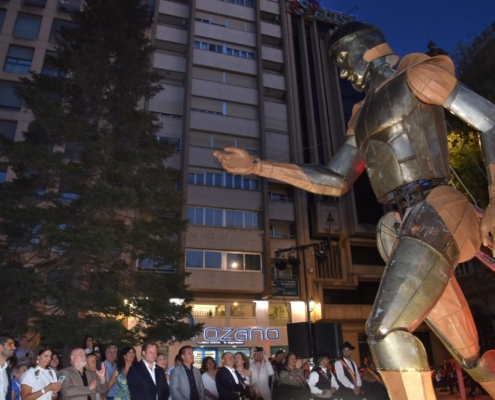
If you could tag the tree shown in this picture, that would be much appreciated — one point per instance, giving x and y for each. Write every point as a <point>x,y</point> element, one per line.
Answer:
<point>92,194</point>
<point>475,63</point>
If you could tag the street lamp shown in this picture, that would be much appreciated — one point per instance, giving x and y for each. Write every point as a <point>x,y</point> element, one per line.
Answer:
<point>312,304</point>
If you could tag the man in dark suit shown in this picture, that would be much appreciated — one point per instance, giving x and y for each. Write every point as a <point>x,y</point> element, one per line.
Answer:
<point>229,381</point>
<point>147,380</point>
<point>7,348</point>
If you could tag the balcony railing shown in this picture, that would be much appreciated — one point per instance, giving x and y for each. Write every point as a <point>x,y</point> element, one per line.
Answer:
<point>329,263</point>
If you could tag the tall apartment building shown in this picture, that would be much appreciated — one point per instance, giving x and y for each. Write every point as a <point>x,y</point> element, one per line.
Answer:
<point>252,74</point>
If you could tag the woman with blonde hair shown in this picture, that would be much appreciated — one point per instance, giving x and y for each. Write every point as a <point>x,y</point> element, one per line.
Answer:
<point>242,365</point>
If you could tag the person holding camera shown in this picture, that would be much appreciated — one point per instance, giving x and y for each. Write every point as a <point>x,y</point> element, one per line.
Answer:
<point>322,382</point>
<point>261,370</point>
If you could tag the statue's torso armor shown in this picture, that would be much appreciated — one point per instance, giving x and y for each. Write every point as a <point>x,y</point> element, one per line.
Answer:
<point>401,139</point>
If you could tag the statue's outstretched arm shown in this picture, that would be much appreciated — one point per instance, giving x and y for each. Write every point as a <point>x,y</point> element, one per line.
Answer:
<point>333,180</point>
<point>433,82</point>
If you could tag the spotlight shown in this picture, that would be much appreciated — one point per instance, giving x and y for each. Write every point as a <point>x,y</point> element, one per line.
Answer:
<point>281,265</point>
<point>295,262</point>
<point>321,253</point>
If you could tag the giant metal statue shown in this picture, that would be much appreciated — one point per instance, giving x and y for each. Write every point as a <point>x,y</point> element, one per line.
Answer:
<point>398,134</point>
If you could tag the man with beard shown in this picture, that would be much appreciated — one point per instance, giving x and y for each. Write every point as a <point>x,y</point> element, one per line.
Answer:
<point>347,373</point>
<point>80,383</point>
<point>7,348</point>
<point>322,382</point>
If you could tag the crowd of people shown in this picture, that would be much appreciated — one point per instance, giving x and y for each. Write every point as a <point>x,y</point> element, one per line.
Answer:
<point>94,375</point>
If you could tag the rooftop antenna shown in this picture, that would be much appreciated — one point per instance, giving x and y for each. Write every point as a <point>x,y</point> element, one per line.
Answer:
<point>352,9</point>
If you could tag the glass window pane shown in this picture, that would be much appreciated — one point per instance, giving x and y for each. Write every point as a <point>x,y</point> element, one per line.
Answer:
<point>218,218</point>
<point>238,222</point>
<point>8,98</point>
<point>235,262</point>
<point>56,26</point>
<point>27,26</point>
<point>256,220</point>
<point>248,221</point>
<point>190,214</point>
<point>200,179</point>
<point>194,259</point>
<point>209,216</point>
<point>8,128</point>
<point>229,216</point>
<point>253,262</point>
<point>238,182</point>
<point>2,17</point>
<point>229,179</point>
<point>213,260</point>
<point>190,178</point>
<point>209,179</point>
<point>3,172</point>
<point>218,180</point>
<point>254,184</point>
<point>198,216</point>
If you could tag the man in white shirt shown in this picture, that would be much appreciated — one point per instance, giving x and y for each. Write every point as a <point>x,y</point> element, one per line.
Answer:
<point>322,382</point>
<point>261,369</point>
<point>347,373</point>
<point>7,348</point>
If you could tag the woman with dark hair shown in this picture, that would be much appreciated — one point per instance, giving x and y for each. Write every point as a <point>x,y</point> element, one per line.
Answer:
<point>89,345</point>
<point>119,377</point>
<point>40,381</point>
<point>209,368</point>
<point>242,365</point>
<point>55,362</point>
<point>292,384</point>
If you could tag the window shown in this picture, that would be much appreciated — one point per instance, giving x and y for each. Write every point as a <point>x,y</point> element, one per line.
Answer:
<point>49,67</point>
<point>27,26</point>
<point>245,3</point>
<point>2,17</point>
<point>8,97</point>
<point>56,26</point>
<point>223,179</point>
<point>223,218</point>
<point>3,172</point>
<point>175,142</point>
<point>8,128</point>
<point>217,48</point>
<point>36,3</point>
<point>205,259</point>
<point>19,59</point>
<point>150,264</point>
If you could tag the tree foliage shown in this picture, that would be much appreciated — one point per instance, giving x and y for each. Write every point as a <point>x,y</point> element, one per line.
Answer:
<point>475,63</point>
<point>92,194</point>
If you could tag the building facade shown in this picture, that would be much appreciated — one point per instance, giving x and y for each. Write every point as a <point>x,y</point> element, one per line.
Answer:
<point>253,74</point>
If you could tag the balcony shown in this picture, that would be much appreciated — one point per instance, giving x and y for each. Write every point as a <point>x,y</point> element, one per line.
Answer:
<point>220,91</point>
<point>171,34</point>
<point>272,54</point>
<point>224,124</point>
<point>346,313</point>
<point>35,3</point>
<point>273,30</point>
<point>220,33</point>
<point>209,196</point>
<point>69,6</point>
<point>226,8</point>
<point>173,8</point>
<point>281,210</point>
<point>225,62</point>
<point>269,6</point>
<point>224,281</point>
<point>169,62</point>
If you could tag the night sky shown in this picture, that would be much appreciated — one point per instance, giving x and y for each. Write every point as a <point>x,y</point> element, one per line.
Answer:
<point>407,25</point>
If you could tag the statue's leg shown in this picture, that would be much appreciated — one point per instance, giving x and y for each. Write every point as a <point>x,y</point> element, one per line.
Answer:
<point>417,273</point>
<point>453,323</point>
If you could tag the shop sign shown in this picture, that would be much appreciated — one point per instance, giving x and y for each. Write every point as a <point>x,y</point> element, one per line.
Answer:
<point>285,287</point>
<point>234,336</point>
<point>312,8</point>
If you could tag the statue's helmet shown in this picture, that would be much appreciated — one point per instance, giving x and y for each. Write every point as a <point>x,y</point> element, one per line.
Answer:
<point>355,46</point>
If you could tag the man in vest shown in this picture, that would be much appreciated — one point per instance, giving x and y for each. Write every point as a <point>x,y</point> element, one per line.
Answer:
<point>321,381</point>
<point>348,374</point>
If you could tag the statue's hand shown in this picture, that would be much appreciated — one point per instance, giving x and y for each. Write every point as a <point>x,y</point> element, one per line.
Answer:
<point>235,160</point>
<point>488,226</point>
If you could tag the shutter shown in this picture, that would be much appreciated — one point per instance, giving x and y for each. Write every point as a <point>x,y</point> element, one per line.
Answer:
<point>221,141</point>
<point>202,104</point>
<point>202,15</point>
<point>207,74</point>
<point>23,53</point>
<point>239,111</point>
<point>248,144</point>
<point>240,80</point>
<point>218,20</point>
<point>237,24</point>
<point>201,139</point>
<point>165,107</point>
